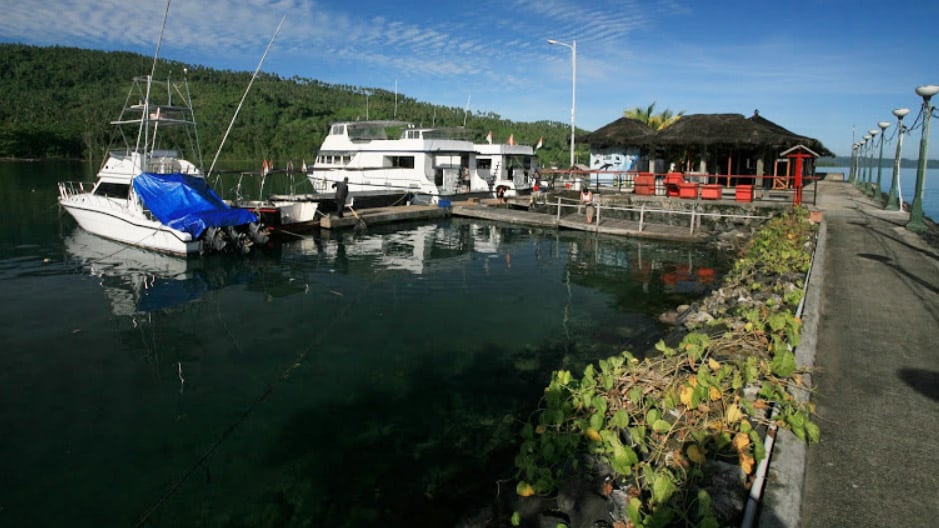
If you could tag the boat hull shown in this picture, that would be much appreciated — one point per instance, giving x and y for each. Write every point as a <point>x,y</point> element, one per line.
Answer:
<point>109,218</point>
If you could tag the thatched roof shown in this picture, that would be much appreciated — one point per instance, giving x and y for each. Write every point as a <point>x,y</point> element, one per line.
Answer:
<point>704,130</point>
<point>623,131</point>
<point>811,143</point>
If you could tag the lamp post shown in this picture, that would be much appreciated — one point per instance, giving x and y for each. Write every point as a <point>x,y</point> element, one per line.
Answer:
<point>893,197</point>
<point>862,162</point>
<point>573,48</point>
<point>916,212</point>
<point>870,165</point>
<point>853,160</point>
<point>876,194</point>
<point>856,162</point>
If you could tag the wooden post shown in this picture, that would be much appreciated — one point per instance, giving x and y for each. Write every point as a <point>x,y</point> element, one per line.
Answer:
<point>559,211</point>
<point>642,214</point>
<point>597,224</point>
<point>693,209</point>
<point>728,171</point>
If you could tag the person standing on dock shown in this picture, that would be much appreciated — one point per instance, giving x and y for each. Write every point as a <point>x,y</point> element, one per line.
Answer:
<point>586,199</point>
<point>342,192</point>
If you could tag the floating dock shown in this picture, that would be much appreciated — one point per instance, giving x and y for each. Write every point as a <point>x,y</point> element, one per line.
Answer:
<point>383,215</point>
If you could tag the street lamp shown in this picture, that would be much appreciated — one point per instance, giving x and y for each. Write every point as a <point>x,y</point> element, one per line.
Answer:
<point>856,166</point>
<point>883,128</point>
<point>573,48</point>
<point>870,165</point>
<point>916,213</point>
<point>863,165</point>
<point>893,198</point>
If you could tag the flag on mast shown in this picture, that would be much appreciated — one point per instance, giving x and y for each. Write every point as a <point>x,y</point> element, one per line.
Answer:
<point>540,143</point>
<point>489,137</point>
<point>511,139</point>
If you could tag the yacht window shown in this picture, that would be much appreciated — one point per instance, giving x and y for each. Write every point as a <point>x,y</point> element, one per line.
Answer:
<point>483,163</point>
<point>404,162</point>
<point>113,190</point>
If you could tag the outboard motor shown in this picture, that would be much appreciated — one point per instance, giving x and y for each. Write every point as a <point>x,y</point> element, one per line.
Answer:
<point>258,234</point>
<point>214,239</point>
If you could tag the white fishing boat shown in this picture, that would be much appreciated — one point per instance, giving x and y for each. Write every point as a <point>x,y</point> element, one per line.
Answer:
<point>147,194</point>
<point>394,157</point>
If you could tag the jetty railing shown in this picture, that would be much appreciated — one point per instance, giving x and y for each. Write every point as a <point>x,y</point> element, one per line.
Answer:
<point>694,214</point>
<point>740,187</point>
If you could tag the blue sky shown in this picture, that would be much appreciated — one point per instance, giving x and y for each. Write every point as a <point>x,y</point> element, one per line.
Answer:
<point>829,69</point>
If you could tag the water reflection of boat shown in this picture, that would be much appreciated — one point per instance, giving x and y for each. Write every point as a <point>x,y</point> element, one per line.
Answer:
<point>135,280</point>
<point>138,281</point>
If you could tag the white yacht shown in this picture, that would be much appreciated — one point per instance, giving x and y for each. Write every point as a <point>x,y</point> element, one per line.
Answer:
<point>511,168</point>
<point>429,163</point>
<point>146,193</point>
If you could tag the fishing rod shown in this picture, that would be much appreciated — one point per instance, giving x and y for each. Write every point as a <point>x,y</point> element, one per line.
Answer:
<point>245,95</point>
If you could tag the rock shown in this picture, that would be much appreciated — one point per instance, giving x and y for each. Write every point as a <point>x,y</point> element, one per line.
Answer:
<point>725,485</point>
<point>670,317</point>
<point>697,318</point>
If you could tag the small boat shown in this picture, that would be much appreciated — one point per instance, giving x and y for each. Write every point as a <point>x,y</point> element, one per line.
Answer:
<point>278,212</point>
<point>395,158</point>
<point>147,194</point>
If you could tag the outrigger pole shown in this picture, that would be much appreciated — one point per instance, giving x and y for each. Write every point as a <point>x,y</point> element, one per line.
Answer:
<point>243,97</point>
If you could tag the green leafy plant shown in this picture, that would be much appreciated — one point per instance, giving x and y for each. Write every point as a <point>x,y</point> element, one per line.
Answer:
<point>656,425</point>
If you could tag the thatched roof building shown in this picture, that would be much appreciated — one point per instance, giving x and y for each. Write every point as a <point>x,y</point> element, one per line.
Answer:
<point>729,143</point>
<point>623,131</point>
<point>704,130</point>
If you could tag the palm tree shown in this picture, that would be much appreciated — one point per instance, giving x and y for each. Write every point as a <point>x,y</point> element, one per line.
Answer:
<point>655,121</point>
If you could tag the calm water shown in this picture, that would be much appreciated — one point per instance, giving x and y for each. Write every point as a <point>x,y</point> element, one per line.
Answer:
<point>341,380</point>
<point>907,185</point>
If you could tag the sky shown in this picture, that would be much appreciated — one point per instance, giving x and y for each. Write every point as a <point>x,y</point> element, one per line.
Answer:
<point>827,69</point>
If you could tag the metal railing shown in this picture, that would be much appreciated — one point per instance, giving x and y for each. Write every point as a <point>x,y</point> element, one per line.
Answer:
<point>642,210</point>
<point>764,188</point>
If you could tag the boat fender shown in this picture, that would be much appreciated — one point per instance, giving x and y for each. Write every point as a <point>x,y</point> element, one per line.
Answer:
<point>500,191</point>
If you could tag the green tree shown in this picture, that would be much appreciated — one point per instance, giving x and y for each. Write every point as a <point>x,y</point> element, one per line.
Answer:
<point>648,116</point>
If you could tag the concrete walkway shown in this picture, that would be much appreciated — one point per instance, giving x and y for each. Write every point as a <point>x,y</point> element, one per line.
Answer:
<point>872,330</point>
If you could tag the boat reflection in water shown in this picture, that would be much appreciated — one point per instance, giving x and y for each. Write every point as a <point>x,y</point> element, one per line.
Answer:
<point>140,281</point>
<point>137,281</point>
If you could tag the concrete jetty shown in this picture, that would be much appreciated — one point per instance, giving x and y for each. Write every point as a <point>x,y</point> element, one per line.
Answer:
<point>871,337</point>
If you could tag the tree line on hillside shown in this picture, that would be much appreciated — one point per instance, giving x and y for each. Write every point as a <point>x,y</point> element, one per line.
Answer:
<point>57,102</point>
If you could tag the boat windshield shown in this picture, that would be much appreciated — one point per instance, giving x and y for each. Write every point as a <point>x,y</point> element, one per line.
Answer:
<point>367,131</point>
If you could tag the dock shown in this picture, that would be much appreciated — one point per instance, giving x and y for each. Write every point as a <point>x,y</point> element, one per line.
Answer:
<point>516,212</point>
<point>384,215</point>
<point>511,214</point>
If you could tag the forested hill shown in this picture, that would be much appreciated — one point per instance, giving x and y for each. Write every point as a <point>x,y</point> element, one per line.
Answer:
<point>57,102</point>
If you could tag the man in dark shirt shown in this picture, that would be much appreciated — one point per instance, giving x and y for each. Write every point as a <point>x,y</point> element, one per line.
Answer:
<point>342,192</point>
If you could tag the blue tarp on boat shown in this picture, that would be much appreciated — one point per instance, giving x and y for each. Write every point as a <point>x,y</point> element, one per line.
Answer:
<point>187,203</point>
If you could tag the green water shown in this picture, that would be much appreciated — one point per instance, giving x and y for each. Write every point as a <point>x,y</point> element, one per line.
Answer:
<point>343,379</point>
